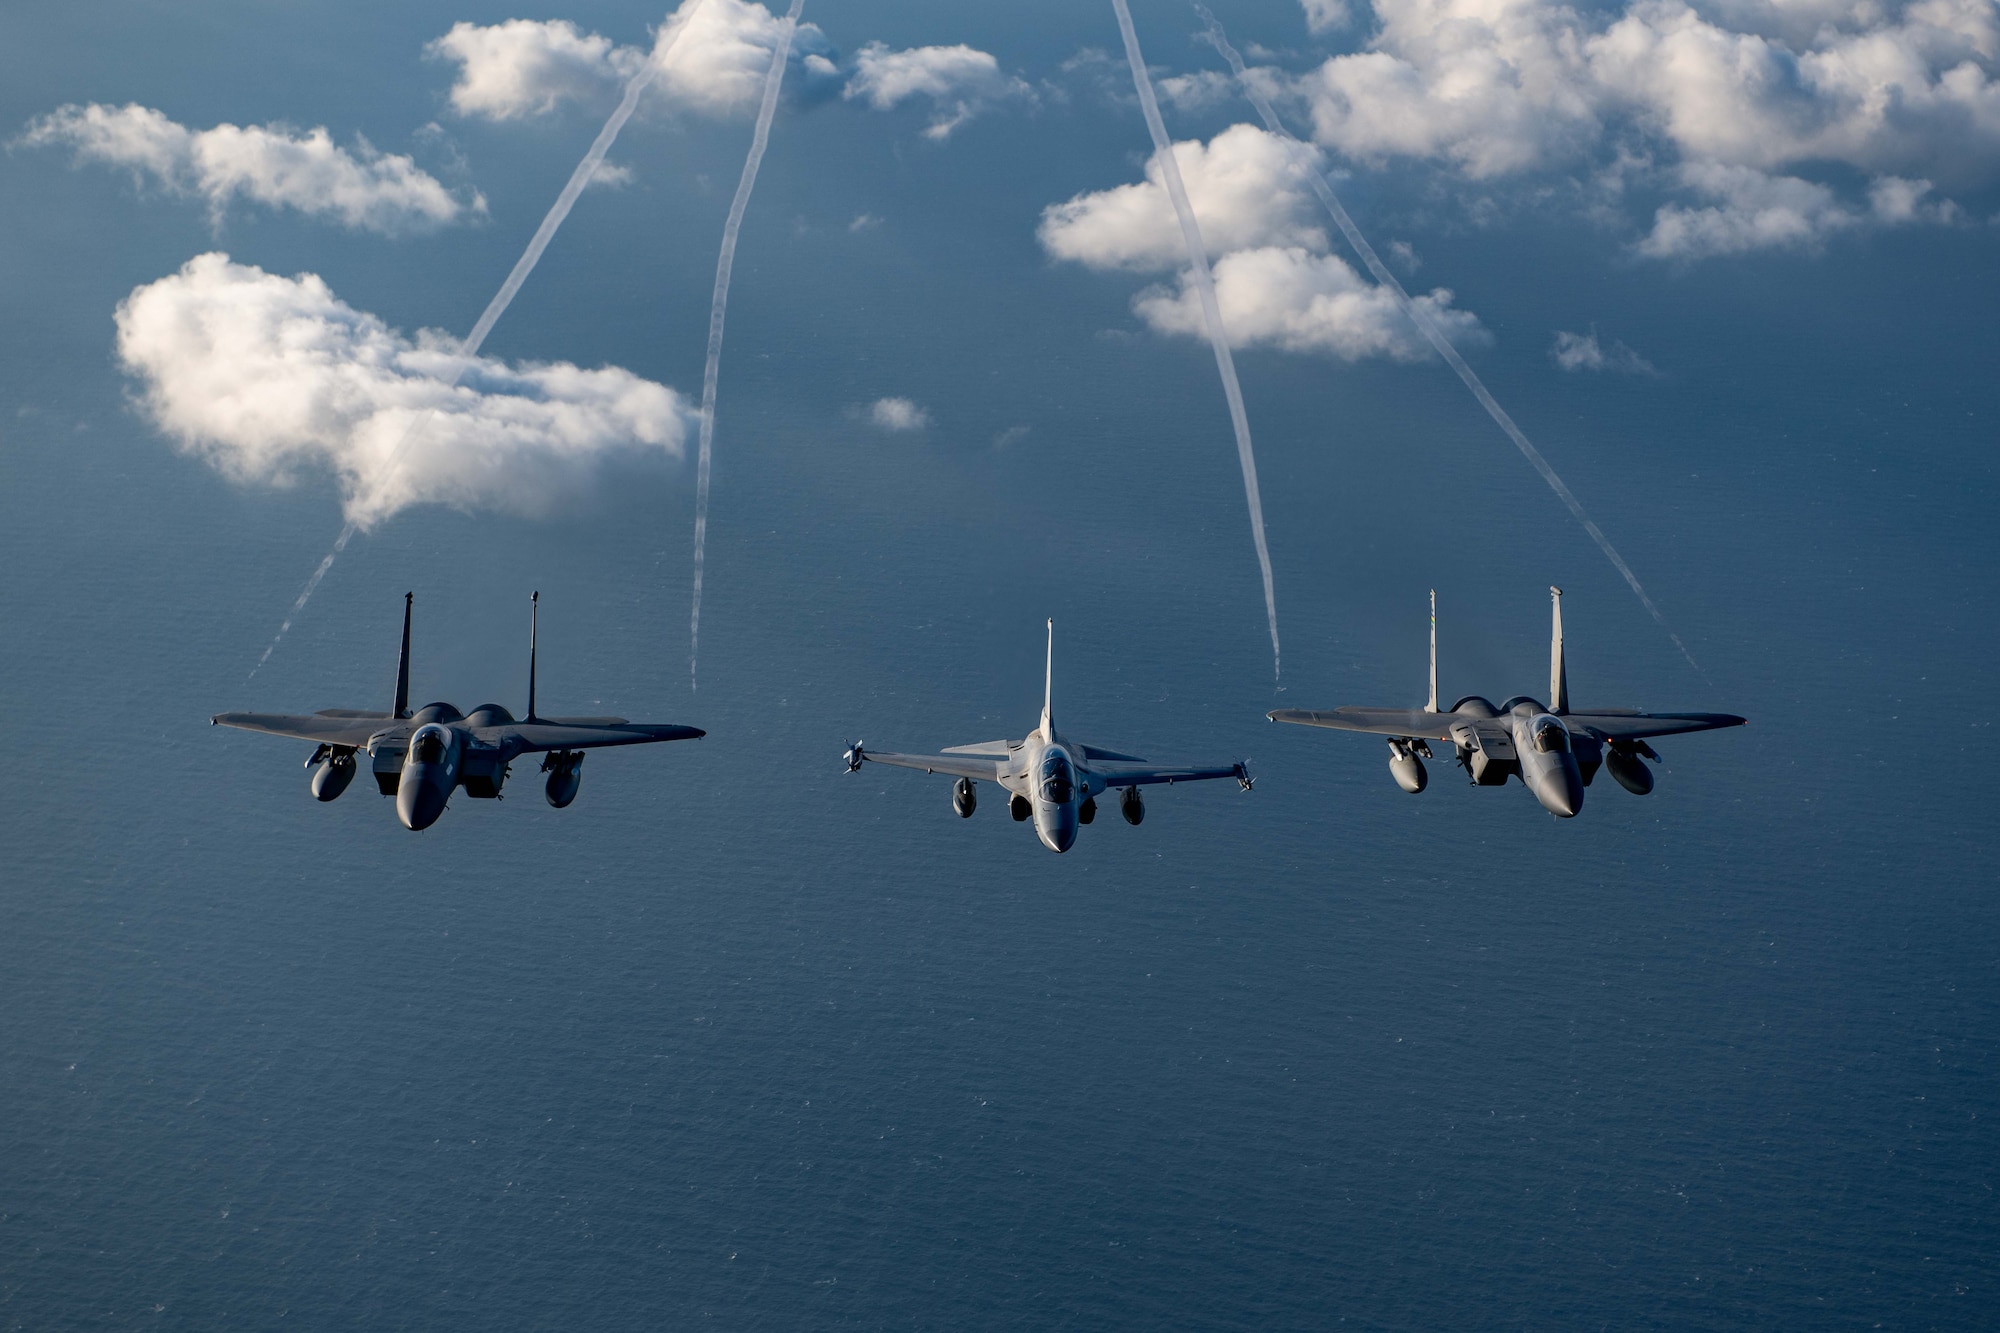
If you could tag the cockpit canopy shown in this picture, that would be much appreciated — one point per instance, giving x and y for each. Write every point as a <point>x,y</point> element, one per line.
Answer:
<point>1549,735</point>
<point>1058,779</point>
<point>428,745</point>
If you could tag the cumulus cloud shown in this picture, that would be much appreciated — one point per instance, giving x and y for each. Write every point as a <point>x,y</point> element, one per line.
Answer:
<point>716,55</point>
<point>271,379</point>
<point>898,414</point>
<point>959,81</point>
<point>266,164</point>
<point>1754,211</point>
<point>1576,352</point>
<point>1275,282</point>
<point>1248,188</point>
<point>1486,89</point>
<point>1285,297</point>
<point>524,68</point>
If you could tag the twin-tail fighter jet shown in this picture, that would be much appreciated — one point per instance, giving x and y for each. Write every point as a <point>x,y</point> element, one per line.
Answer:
<point>1048,777</point>
<point>421,757</point>
<point>1553,750</point>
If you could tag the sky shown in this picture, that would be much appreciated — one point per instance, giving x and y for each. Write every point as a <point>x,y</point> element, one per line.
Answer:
<point>1729,267</point>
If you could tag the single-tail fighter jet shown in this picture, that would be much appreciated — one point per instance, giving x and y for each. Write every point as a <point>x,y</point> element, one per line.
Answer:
<point>421,757</point>
<point>1554,750</point>
<point>1048,777</point>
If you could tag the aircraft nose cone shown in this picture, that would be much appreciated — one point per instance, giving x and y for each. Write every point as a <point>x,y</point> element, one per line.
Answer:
<point>419,802</point>
<point>1564,795</point>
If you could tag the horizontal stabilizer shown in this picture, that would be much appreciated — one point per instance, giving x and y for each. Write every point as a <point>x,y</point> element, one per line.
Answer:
<point>985,747</point>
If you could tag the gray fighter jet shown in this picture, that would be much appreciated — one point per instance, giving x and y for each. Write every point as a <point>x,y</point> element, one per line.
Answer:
<point>1048,777</point>
<point>1554,750</point>
<point>421,757</point>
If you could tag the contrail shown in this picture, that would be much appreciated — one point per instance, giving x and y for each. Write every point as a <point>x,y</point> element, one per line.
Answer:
<point>1324,189</point>
<point>1211,313</point>
<point>497,307</point>
<point>718,306</point>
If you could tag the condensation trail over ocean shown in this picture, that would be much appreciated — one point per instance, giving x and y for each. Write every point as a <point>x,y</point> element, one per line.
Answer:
<point>1324,189</point>
<point>718,306</point>
<point>497,307</point>
<point>1211,313</point>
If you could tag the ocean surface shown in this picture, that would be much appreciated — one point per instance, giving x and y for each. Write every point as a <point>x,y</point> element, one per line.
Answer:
<point>742,1038</point>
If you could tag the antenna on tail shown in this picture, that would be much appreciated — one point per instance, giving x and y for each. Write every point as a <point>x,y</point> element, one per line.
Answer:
<point>1558,671</point>
<point>1432,706</point>
<point>534,615</point>
<point>402,708</point>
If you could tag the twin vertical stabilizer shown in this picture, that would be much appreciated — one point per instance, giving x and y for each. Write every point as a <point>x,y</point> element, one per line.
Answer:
<point>402,708</point>
<point>534,616</point>
<point>1049,687</point>
<point>1558,671</point>
<point>1432,706</point>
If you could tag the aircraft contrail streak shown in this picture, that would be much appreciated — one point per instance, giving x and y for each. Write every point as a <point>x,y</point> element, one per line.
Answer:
<point>1204,281</point>
<point>503,298</point>
<point>1324,189</point>
<point>718,306</point>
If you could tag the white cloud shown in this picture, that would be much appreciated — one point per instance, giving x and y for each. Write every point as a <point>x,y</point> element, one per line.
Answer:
<point>717,53</point>
<point>898,414</point>
<point>717,63</point>
<point>1287,298</point>
<point>864,222</point>
<point>1247,188</point>
<point>524,68</point>
<point>1202,90</point>
<point>1754,211</point>
<point>270,379</point>
<point>1493,88</point>
<point>960,82</point>
<point>1274,281</point>
<point>1582,351</point>
<point>267,164</point>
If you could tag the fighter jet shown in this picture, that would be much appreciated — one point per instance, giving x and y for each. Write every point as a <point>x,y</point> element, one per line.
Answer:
<point>1049,778</point>
<point>421,757</point>
<point>1553,750</point>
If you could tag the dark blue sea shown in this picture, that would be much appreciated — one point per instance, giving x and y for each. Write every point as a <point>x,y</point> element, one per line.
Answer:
<point>742,1039</point>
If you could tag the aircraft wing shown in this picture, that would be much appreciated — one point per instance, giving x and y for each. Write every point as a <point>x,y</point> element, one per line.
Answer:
<point>1621,724</point>
<point>589,734</point>
<point>982,768</point>
<point>1374,721</point>
<point>331,728</point>
<point>1141,773</point>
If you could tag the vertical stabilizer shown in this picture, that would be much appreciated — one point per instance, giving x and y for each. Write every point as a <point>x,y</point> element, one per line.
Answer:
<point>1433,704</point>
<point>1049,687</point>
<point>534,615</point>
<point>402,708</point>
<point>1558,671</point>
